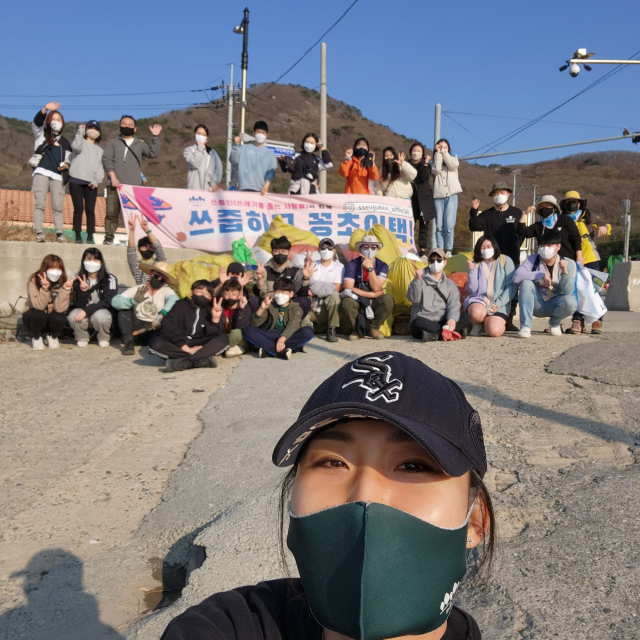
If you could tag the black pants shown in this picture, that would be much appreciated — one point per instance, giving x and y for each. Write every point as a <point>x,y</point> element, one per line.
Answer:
<point>267,339</point>
<point>211,346</point>
<point>37,322</point>
<point>418,325</point>
<point>84,200</point>
<point>128,323</point>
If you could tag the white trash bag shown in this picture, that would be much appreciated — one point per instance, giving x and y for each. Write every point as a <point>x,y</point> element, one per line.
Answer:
<point>590,304</point>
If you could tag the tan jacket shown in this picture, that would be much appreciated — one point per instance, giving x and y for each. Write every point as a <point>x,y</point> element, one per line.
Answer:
<point>444,168</point>
<point>402,187</point>
<point>57,299</point>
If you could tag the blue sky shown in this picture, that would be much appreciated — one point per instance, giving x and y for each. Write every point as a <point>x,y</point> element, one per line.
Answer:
<point>392,60</point>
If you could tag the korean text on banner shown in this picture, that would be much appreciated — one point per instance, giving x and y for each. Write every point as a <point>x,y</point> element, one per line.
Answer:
<point>211,222</point>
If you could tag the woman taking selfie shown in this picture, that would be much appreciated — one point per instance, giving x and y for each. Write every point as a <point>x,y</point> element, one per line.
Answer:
<point>384,502</point>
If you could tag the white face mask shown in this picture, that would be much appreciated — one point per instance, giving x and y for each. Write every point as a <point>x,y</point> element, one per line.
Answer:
<point>436,267</point>
<point>487,254</point>
<point>201,139</point>
<point>56,126</point>
<point>416,155</point>
<point>260,138</point>
<point>501,198</point>
<point>369,253</point>
<point>326,254</point>
<point>91,267</point>
<point>281,298</point>
<point>547,252</point>
<point>93,134</point>
<point>54,274</point>
<point>309,147</point>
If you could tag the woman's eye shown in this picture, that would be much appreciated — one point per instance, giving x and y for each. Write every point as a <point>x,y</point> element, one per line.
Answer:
<point>416,466</point>
<point>330,463</point>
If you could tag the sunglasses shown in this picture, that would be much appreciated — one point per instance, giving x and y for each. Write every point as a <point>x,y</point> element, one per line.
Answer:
<point>432,260</point>
<point>158,276</point>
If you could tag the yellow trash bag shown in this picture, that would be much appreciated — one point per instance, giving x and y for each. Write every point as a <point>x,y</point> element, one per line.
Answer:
<point>401,273</point>
<point>201,267</point>
<point>389,251</point>
<point>279,227</point>
<point>458,264</point>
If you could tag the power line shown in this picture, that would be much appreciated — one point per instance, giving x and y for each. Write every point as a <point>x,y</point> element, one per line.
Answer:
<point>524,127</point>
<point>446,113</point>
<point>486,115</point>
<point>104,95</point>
<point>306,53</point>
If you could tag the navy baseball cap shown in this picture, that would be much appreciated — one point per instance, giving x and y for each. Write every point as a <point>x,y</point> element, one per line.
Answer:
<point>93,124</point>
<point>403,391</point>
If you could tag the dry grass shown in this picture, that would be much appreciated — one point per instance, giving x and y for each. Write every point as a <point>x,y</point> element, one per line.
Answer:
<point>18,233</point>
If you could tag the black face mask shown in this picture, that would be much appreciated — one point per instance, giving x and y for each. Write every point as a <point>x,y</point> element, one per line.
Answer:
<point>127,132</point>
<point>156,283</point>
<point>201,301</point>
<point>360,152</point>
<point>572,207</point>
<point>280,258</point>
<point>229,303</point>
<point>545,212</point>
<point>146,254</point>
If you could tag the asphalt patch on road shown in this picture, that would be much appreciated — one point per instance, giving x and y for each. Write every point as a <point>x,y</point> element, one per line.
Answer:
<point>614,359</point>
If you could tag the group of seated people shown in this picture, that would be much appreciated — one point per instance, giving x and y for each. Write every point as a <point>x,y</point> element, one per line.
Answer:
<point>278,307</point>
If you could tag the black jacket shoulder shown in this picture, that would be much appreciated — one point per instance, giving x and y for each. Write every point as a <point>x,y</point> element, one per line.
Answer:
<point>274,610</point>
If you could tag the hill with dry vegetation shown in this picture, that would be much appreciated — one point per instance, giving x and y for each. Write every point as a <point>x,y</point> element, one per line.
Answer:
<point>292,111</point>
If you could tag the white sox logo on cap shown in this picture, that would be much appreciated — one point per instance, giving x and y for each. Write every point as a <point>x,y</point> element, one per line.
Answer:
<point>376,379</point>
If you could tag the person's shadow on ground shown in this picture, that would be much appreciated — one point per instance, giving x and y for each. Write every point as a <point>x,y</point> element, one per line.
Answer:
<point>58,608</point>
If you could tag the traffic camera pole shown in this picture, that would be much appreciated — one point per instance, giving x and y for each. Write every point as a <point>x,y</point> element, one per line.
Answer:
<point>437,122</point>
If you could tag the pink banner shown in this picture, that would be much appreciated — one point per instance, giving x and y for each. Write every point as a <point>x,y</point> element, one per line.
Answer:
<point>210,222</point>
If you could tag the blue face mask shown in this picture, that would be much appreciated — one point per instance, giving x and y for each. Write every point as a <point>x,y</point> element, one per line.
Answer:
<point>576,215</point>
<point>550,222</point>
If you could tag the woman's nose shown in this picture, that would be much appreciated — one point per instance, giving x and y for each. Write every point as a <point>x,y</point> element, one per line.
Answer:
<point>367,485</point>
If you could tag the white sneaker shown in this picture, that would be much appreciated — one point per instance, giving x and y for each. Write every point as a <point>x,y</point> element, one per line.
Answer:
<point>37,344</point>
<point>82,343</point>
<point>53,343</point>
<point>524,332</point>
<point>234,352</point>
<point>555,331</point>
<point>103,343</point>
<point>448,255</point>
<point>287,354</point>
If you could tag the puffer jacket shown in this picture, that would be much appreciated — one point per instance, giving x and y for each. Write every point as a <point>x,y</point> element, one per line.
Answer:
<point>357,177</point>
<point>444,168</point>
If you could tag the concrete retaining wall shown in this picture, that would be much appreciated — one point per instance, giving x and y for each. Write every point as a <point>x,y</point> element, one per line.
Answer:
<point>624,287</point>
<point>18,260</point>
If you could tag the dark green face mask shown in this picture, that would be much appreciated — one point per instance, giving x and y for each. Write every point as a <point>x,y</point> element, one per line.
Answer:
<point>372,572</point>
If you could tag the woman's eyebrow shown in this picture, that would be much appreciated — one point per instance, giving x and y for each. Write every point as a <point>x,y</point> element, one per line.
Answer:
<point>399,436</point>
<point>334,434</point>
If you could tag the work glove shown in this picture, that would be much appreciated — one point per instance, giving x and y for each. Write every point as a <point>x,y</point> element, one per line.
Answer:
<point>140,294</point>
<point>157,322</point>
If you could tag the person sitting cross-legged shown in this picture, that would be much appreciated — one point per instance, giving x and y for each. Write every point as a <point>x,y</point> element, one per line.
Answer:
<point>490,288</point>
<point>142,308</point>
<point>236,315</point>
<point>364,301</point>
<point>547,284</point>
<point>324,285</point>
<point>435,303</point>
<point>276,329</point>
<point>192,334</point>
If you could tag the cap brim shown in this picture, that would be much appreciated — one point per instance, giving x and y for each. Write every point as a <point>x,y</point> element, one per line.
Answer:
<point>450,458</point>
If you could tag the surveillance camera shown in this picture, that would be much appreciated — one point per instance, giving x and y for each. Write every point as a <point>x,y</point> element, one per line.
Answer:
<point>574,70</point>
